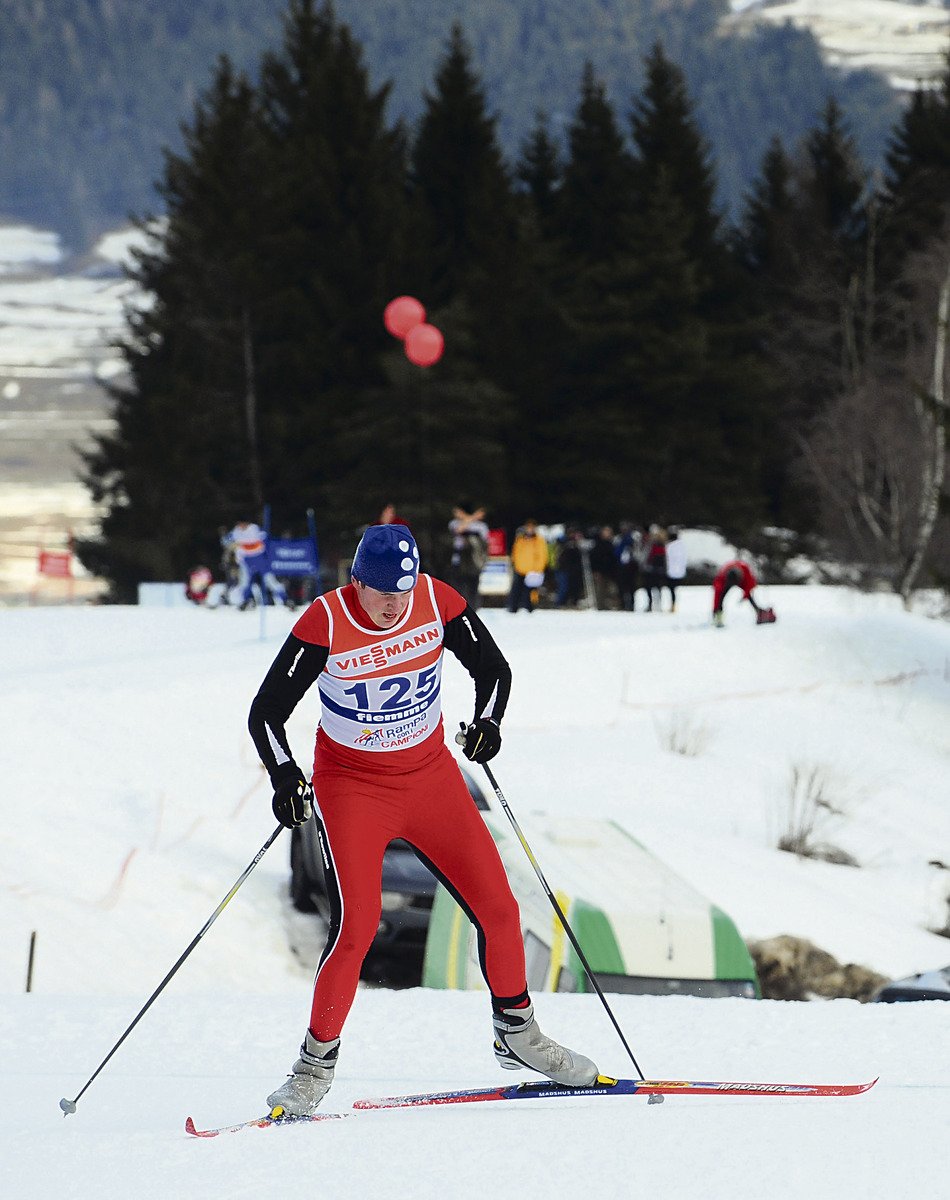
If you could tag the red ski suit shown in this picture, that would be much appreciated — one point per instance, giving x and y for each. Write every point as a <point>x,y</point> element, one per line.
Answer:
<point>382,771</point>
<point>724,581</point>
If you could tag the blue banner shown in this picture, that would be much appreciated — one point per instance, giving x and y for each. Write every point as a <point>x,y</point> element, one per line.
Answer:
<point>292,556</point>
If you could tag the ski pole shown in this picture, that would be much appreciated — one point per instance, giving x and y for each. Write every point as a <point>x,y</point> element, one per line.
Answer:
<point>554,903</point>
<point>69,1106</point>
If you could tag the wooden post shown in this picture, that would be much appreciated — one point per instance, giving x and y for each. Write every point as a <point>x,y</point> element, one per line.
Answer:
<point>29,965</point>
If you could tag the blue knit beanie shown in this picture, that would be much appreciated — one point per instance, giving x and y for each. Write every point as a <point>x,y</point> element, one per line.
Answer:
<point>387,559</point>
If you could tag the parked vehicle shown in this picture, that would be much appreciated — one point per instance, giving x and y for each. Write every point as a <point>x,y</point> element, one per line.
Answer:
<point>642,928</point>
<point>928,985</point>
<point>408,888</point>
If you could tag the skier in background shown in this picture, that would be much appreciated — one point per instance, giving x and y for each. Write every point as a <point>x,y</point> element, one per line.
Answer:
<point>738,574</point>
<point>250,550</point>
<point>382,770</point>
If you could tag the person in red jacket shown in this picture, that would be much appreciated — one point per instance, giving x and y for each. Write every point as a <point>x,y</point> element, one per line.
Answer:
<point>738,574</point>
<point>382,770</point>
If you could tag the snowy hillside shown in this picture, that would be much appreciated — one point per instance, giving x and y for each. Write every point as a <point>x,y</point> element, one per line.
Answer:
<point>59,316</point>
<point>906,40</point>
<point>58,320</point>
<point>132,801</point>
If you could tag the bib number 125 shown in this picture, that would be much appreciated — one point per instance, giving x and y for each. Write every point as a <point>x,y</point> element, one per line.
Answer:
<point>393,691</point>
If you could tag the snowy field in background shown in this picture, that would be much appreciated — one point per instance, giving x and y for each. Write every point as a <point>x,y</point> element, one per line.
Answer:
<point>133,800</point>
<point>58,319</point>
<point>906,40</point>
<point>61,317</point>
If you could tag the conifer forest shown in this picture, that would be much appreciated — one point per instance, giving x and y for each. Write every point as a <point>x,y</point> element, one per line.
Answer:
<point>621,342</point>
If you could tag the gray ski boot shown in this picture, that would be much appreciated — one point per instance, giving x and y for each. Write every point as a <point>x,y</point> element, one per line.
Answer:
<point>520,1043</point>
<point>311,1078</point>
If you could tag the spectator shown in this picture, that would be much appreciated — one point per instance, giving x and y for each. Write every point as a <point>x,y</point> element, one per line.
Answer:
<point>469,551</point>
<point>198,584</point>
<point>629,546</point>
<point>654,566</point>
<point>675,563</point>
<point>389,516</point>
<point>569,569</point>
<point>529,560</point>
<point>603,564</point>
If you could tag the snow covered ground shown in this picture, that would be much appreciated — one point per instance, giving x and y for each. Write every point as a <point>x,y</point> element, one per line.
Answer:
<point>133,800</point>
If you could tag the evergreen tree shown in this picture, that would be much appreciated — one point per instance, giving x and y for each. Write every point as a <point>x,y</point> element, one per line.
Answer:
<point>183,458</point>
<point>916,186</point>
<point>592,438</point>
<point>436,434</point>
<point>460,183</point>
<point>464,266</point>
<point>763,241</point>
<point>881,496</point>
<point>539,171</point>
<point>801,240</point>
<point>718,417</point>
<point>830,317</point>
<point>835,182</point>
<point>329,251</point>
<point>666,356</point>
<point>668,141</point>
<point>594,216</point>
<point>543,338</point>
<point>266,331</point>
<point>768,251</point>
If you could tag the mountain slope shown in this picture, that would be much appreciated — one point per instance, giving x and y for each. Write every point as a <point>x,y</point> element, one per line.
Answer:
<point>91,92</point>
<point>906,40</point>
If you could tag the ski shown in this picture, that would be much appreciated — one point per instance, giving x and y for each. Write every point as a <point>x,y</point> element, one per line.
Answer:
<point>276,1116</point>
<point>546,1090</point>
<point>606,1086</point>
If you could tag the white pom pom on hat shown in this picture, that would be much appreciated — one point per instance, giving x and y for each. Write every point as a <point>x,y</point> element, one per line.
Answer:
<point>387,559</point>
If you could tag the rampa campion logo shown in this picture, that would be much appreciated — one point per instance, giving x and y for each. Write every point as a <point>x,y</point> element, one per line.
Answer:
<point>369,737</point>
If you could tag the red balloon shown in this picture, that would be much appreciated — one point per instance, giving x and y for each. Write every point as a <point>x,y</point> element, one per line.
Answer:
<point>424,345</point>
<point>402,314</point>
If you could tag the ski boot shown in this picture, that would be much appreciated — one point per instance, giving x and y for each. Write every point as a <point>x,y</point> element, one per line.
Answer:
<point>311,1078</point>
<point>520,1043</point>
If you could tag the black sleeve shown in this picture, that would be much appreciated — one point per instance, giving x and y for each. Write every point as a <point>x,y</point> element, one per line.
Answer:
<point>476,650</point>
<point>291,674</point>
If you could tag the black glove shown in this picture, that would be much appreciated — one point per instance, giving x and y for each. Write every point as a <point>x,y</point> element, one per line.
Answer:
<point>481,740</point>
<point>292,803</point>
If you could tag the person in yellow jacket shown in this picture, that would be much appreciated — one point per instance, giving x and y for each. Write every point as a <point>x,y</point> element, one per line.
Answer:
<point>529,560</point>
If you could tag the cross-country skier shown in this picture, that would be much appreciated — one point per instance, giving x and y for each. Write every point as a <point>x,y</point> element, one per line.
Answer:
<point>250,547</point>
<point>382,771</point>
